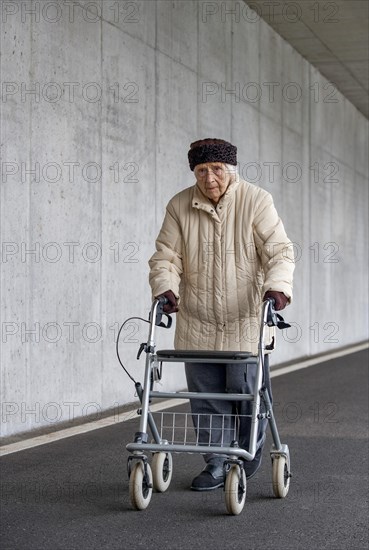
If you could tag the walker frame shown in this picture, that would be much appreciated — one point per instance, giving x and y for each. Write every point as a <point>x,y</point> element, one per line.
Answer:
<point>143,478</point>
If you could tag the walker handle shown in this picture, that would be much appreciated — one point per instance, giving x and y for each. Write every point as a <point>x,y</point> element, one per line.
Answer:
<point>271,314</point>
<point>274,319</point>
<point>159,313</point>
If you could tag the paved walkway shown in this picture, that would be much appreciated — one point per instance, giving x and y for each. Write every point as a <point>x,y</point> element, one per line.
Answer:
<point>73,493</point>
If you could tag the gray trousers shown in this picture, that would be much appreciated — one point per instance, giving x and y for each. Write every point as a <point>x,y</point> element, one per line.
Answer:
<point>221,378</point>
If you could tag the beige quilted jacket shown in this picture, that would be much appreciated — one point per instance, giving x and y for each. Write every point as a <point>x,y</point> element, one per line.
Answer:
<point>219,262</point>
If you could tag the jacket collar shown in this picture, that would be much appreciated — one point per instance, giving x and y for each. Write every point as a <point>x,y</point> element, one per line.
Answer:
<point>201,202</point>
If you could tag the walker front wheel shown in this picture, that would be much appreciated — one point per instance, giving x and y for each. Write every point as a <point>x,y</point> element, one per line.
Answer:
<point>162,470</point>
<point>140,485</point>
<point>235,490</point>
<point>281,476</point>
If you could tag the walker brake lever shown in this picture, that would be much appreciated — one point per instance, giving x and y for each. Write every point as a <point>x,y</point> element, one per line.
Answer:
<point>142,348</point>
<point>281,323</point>
<point>169,321</point>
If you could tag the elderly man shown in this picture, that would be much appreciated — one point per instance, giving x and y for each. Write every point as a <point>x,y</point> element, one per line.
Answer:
<point>221,251</point>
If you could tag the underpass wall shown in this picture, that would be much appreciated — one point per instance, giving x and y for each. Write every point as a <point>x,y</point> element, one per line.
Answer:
<point>100,101</point>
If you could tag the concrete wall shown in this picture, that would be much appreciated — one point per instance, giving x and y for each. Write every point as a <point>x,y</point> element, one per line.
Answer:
<point>133,84</point>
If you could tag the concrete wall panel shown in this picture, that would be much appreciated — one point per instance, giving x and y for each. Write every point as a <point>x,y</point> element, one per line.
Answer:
<point>245,59</point>
<point>14,204</point>
<point>293,89</point>
<point>271,157</point>
<point>361,146</point>
<point>270,73</point>
<point>177,31</point>
<point>128,192</point>
<point>245,132</point>
<point>135,19</point>
<point>214,35</point>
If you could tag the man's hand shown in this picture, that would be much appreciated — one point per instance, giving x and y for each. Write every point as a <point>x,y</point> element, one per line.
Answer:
<point>280,300</point>
<point>171,306</point>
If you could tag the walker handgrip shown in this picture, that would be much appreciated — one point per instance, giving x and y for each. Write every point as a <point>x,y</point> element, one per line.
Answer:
<point>274,319</point>
<point>271,315</point>
<point>159,313</point>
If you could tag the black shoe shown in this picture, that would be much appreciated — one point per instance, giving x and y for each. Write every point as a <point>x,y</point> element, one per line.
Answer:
<point>252,466</point>
<point>212,477</point>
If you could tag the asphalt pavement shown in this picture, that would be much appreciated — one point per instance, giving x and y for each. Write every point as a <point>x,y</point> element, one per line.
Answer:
<point>73,493</point>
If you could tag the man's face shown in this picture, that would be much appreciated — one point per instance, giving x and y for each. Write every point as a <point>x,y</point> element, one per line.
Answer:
<point>213,179</point>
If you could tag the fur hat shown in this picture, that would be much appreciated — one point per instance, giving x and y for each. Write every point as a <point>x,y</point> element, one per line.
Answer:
<point>212,150</point>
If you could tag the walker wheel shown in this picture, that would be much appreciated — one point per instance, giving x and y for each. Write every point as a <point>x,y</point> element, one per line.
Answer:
<point>235,490</point>
<point>281,476</point>
<point>140,485</point>
<point>162,470</point>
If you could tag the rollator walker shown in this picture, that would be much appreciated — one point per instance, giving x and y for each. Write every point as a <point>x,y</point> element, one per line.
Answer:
<point>173,432</point>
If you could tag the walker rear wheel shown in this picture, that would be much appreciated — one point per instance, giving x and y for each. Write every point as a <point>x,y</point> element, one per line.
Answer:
<point>140,485</point>
<point>235,490</point>
<point>162,470</point>
<point>281,476</point>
